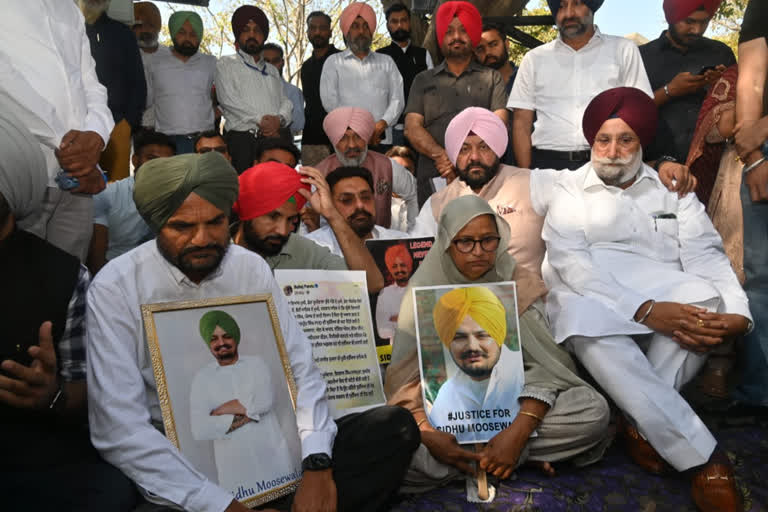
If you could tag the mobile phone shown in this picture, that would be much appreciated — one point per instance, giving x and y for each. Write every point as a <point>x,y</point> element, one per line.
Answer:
<point>704,69</point>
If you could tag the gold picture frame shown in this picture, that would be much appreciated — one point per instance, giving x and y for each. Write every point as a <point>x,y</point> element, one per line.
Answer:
<point>159,351</point>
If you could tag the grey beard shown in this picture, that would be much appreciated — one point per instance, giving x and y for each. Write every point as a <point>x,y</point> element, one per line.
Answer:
<point>147,43</point>
<point>351,162</point>
<point>359,45</point>
<point>585,23</point>
<point>617,171</point>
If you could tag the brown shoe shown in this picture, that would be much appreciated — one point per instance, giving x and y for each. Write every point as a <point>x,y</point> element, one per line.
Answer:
<point>641,450</point>
<point>714,489</point>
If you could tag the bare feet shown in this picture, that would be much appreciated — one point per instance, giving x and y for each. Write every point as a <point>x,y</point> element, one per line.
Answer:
<point>544,467</point>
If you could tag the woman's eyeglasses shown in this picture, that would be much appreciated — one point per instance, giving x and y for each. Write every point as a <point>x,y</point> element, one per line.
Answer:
<point>467,245</point>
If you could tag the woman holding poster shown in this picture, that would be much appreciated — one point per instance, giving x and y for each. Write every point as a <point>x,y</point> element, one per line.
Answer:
<point>569,417</point>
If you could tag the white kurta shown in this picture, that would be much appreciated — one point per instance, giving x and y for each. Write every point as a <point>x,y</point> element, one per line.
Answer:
<point>327,238</point>
<point>387,306</point>
<point>259,449</point>
<point>500,392</point>
<point>609,250</point>
<point>123,404</point>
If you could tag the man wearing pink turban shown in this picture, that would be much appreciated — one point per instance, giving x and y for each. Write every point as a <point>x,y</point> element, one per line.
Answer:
<point>475,141</point>
<point>359,77</point>
<point>682,64</point>
<point>349,129</point>
<point>640,290</point>
<point>438,94</point>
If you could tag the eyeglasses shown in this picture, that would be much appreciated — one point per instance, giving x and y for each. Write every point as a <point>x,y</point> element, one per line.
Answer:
<point>218,149</point>
<point>467,245</point>
<point>624,141</point>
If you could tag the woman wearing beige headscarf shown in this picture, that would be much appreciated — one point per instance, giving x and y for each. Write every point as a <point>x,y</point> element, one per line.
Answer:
<point>570,417</point>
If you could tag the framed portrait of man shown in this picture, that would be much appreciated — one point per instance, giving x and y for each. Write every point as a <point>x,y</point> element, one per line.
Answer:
<point>227,392</point>
<point>470,360</point>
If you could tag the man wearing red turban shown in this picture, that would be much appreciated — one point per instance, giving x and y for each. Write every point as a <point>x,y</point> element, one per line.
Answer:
<point>249,90</point>
<point>438,94</point>
<point>631,265</point>
<point>400,267</point>
<point>268,204</point>
<point>556,80</point>
<point>681,65</point>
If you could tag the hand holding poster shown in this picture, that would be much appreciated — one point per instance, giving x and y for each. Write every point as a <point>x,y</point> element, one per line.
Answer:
<point>470,360</point>
<point>226,391</point>
<point>332,309</point>
<point>397,260</point>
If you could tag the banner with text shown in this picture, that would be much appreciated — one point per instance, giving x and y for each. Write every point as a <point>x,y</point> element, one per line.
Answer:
<point>470,360</point>
<point>397,260</point>
<point>332,308</point>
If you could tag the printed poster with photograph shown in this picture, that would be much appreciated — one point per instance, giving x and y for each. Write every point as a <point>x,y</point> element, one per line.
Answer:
<point>397,260</point>
<point>227,393</point>
<point>470,360</point>
<point>332,310</point>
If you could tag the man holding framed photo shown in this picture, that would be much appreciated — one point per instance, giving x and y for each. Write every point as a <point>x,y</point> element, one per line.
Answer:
<point>187,200</point>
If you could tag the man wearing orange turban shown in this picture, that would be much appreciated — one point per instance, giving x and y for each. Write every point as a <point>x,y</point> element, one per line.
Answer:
<point>682,64</point>
<point>627,259</point>
<point>439,94</point>
<point>270,198</point>
<point>400,267</point>
<point>472,324</point>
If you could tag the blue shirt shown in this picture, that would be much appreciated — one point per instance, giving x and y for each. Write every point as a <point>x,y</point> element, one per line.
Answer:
<point>114,208</point>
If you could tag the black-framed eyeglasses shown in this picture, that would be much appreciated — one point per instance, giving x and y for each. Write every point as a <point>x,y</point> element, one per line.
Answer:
<point>218,149</point>
<point>467,245</point>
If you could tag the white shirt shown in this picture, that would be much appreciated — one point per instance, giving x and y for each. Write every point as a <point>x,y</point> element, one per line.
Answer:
<point>238,452</point>
<point>430,64</point>
<point>387,306</point>
<point>247,90</point>
<point>499,392</point>
<point>180,92</point>
<point>608,252</point>
<point>327,238</point>
<point>48,75</point>
<point>148,118</point>
<point>399,212</point>
<point>404,185</point>
<point>122,394</point>
<point>558,82</point>
<point>373,83</point>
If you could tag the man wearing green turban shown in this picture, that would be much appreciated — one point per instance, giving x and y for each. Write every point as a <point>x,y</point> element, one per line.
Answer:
<point>472,324</point>
<point>222,335</point>
<point>179,83</point>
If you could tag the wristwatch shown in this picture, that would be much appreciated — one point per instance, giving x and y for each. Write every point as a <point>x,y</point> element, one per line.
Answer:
<point>661,160</point>
<point>316,462</point>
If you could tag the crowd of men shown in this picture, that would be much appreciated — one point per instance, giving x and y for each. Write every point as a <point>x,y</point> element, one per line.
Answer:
<point>629,188</point>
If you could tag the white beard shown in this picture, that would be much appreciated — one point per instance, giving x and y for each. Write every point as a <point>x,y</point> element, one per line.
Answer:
<point>351,162</point>
<point>617,171</point>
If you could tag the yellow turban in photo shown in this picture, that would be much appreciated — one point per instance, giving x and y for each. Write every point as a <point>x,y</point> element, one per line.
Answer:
<point>478,302</point>
<point>211,319</point>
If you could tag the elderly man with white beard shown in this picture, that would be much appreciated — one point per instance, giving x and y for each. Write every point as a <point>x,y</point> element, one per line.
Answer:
<point>349,129</point>
<point>641,290</point>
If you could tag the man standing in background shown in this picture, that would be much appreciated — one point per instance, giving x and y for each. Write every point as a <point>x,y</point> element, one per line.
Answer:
<point>273,53</point>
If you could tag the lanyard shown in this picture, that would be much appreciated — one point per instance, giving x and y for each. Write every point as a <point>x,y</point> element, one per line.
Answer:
<point>263,70</point>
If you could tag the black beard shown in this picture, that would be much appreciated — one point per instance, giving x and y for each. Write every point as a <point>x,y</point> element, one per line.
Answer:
<point>478,373</point>
<point>458,54</point>
<point>319,42</point>
<point>488,175</point>
<point>260,245</point>
<point>179,262</point>
<point>400,36</point>
<point>680,40</point>
<point>361,228</point>
<point>185,49</point>
<point>251,47</point>
<point>496,64</point>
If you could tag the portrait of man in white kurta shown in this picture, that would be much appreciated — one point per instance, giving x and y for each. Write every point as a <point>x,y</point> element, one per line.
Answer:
<point>231,403</point>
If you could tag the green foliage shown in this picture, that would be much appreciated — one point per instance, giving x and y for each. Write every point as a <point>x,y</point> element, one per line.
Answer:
<point>726,24</point>
<point>544,34</point>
